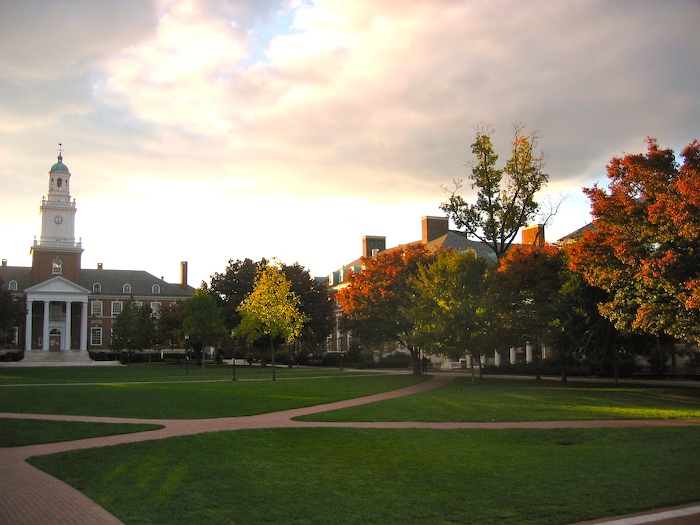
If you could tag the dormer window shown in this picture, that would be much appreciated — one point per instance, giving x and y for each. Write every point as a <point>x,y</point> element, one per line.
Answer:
<point>155,289</point>
<point>12,286</point>
<point>57,267</point>
<point>97,288</point>
<point>126,288</point>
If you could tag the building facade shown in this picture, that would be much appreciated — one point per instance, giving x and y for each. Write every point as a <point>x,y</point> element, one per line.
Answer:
<point>68,308</point>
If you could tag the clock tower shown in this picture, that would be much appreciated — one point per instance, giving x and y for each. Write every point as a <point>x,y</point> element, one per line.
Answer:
<point>57,253</point>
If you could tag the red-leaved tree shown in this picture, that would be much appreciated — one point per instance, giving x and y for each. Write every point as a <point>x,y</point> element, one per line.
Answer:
<point>373,301</point>
<point>645,247</point>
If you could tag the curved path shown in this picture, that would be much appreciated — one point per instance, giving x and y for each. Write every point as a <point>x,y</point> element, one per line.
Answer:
<point>32,497</point>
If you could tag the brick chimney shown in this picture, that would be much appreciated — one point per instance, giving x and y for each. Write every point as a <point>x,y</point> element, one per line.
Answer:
<point>434,227</point>
<point>183,275</point>
<point>533,235</point>
<point>372,245</point>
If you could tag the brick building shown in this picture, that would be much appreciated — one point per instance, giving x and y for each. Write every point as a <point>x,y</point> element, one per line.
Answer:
<point>70,309</point>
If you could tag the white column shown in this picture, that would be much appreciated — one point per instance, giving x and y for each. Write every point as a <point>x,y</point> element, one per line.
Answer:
<point>69,320</point>
<point>83,326</point>
<point>512,355</point>
<point>28,327</point>
<point>528,352</point>
<point>45,336</point>
<point>496,358</point>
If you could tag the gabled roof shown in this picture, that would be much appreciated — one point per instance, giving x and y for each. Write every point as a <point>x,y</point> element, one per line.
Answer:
<point>21,274</point>
<point>57,285</point>
<point>576,235</point>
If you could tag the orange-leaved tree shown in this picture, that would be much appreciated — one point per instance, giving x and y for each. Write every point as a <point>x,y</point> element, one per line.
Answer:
<point>373,301</point>
<point>644,249</point>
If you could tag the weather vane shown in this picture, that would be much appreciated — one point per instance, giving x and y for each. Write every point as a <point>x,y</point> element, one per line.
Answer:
<point>60,148</point>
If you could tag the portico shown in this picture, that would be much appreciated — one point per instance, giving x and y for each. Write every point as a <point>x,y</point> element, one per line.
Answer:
<point>56,318</point>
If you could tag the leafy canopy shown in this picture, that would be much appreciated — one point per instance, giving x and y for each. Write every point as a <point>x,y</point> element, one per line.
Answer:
<point>644,248</point>
<point>503,205</point>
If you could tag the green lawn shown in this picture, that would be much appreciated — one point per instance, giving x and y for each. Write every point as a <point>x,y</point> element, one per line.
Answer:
<point>527,400</point>
<point>18,432</point>
<point>369,476</point>
<point>193,400</point>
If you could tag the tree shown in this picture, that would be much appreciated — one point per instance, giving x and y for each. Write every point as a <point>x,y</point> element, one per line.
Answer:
<point>232,286</point>
<point>134,329</point>
<point>271,309</point>
<point>502,207</point>
<point>168,323</point>
<point>375,296</point>
<point>202,325</point>
<point>11,315</point>
<point>644,248</point>
<point>527,288</point>
<point>314,303</point>
<point>448,313</point>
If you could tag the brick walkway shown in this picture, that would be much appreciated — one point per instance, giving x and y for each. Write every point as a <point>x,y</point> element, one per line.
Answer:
<point>31,497</point>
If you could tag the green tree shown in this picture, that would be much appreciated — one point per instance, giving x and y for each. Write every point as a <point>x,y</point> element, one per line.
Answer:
<point>202,325</point>
<point>374,299</point>
<point>134,329</point>
<point>232,286</point>
<point>314,303</point>
<point>11,315</point>
<point>271,309</point>
<point>448,312</point>
<point>168,324</point>
<point>644,248</point>
<point>502,206</point>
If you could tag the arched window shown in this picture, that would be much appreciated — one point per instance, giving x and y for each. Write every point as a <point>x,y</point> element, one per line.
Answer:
<point>12,286</point>
<point>57,268</point>
<point>97,288</point>
<point>155,288</point>
<point>126,288</point>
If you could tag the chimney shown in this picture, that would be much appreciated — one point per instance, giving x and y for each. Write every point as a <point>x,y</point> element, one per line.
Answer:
<point>533,235</point>
<point>183,275</point>
<point>434,227</point>
<point>99,266</point>
<point>371,245</point>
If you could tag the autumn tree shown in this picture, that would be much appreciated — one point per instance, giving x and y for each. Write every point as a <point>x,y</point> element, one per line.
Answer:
<point>505,199</point>
<point>644,248</point>
<point>527,287</point>
<point>202,325</point>
<point>375,298</point>
<point>271,309</point>
<point>448,312</point>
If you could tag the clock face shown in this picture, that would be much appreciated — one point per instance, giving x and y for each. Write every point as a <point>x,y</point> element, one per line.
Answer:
<point>58,220</point>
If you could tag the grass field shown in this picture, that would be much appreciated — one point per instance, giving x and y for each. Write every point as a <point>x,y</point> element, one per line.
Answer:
<point>375,476</point>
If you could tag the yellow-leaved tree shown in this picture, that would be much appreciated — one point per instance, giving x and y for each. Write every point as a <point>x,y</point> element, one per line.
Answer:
<point>271,309</point>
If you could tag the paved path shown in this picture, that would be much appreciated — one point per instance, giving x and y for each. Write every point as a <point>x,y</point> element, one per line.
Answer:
<point>31,497</point>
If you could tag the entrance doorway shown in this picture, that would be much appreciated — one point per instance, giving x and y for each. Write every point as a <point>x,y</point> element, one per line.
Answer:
<point>55,340</point>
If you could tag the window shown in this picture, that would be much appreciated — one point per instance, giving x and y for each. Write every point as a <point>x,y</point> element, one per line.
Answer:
<point>126,288</point>
<point>57,268</point>
<point>155,308</point>
<point>12,286</point>
<point>96,336</point>
<point>116,308</point>
<point>155,288</point>
<point>96,308</point>
<point>97,288</point>
<point>137,304</point>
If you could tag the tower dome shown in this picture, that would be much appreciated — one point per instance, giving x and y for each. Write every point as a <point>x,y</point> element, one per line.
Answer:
<point>59,166</point>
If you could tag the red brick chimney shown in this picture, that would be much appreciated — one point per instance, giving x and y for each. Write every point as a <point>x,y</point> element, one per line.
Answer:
<point>183,275</point>
<point>434,227</point>
<point>533,235</point>
<point>372,245</point>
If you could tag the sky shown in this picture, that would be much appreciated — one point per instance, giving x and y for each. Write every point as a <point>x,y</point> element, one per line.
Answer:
<point>210,130</point>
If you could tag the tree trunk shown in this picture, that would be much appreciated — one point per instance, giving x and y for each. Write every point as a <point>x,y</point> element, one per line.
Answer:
<point>415,354</point>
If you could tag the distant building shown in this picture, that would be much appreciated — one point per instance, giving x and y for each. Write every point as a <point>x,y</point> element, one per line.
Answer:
<point>436,236</point>
<point>69,308</point>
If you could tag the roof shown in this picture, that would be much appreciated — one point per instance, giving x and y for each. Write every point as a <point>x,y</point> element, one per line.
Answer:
<point>576,235</point>
<point>111,282</point>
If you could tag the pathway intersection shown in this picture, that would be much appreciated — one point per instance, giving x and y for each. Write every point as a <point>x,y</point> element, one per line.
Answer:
<point>32,497</point>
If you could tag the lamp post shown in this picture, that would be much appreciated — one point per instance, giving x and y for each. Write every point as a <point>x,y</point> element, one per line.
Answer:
<point>233,365</point>
<point>187,355</point>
